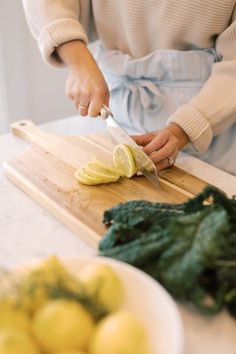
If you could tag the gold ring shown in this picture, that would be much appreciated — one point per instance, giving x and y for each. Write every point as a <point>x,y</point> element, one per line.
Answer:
<point>171,160</point>
<point>82,107</point>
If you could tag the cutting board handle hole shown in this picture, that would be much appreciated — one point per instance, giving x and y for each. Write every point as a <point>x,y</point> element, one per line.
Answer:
<point>22,124</point>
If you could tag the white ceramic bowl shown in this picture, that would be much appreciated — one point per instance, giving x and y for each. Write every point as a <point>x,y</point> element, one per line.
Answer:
<point>148,300</point>
<point>144,297</point>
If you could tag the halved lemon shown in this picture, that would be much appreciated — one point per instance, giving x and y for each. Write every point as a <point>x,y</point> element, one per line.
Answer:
<point>142,159</point>
<point>123,160</point>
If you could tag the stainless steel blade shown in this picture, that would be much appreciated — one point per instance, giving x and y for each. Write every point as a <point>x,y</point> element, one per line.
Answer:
<point>152,178</point>
<point>120,135</point>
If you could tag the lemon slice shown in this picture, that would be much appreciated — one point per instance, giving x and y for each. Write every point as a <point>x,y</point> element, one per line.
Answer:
<point>99,176</point>
<point>86,181</point>
<point>109,168</point>
<point>123,160</point>
<point>144,161</point>
<point>100,170</point>
<point>90,179</point>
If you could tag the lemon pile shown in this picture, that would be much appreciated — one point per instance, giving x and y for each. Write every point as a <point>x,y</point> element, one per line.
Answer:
<point>40,318</point>
<point>124,165</point>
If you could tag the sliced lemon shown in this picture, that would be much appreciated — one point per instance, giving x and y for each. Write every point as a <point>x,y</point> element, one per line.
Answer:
<point>86,179</point>
<point>89,179</point>
<point>142,159</point>
<point>102,177</point>
<point>95,170</point>
<point>113,170</point>
<point>123,160</point>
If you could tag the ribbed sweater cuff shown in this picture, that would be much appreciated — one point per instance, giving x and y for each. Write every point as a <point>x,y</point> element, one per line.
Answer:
<point>57,33</point>
<point>195,125</point>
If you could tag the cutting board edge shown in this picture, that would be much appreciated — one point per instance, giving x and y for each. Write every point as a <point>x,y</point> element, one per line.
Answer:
<point>91,238</point>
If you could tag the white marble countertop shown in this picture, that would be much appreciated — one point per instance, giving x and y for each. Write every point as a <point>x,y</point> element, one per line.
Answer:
<point>29,233</point>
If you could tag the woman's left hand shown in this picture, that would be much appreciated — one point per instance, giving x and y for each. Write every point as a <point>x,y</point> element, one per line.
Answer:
<point>163,145</point>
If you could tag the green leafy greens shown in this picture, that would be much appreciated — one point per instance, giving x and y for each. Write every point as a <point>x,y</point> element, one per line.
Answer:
<point>190,248</point>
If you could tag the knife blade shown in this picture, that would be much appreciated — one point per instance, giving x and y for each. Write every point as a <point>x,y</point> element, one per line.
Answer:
<point>120,136</point>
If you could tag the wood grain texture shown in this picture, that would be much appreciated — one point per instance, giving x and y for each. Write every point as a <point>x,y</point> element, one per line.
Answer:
<point>46,170</point>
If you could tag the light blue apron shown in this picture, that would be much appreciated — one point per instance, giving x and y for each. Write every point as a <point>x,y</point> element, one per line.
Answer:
<point>146,91</point>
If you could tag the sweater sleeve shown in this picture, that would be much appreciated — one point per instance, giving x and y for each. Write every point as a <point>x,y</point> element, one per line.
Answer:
<point>54,22</point>
<point>213,109</point>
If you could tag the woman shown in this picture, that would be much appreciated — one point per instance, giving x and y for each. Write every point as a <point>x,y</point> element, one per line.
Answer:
<point>168,66</point>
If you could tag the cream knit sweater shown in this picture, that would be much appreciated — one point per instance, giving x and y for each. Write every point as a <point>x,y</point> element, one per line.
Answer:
<point>139,27</point>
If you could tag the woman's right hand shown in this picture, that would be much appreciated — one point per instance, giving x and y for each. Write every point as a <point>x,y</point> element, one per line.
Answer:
<point>85,84</point>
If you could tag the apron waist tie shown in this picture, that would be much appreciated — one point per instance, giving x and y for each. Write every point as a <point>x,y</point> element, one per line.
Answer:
<point>146,91</point>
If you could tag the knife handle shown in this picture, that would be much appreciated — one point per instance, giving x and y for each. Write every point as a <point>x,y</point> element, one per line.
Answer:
<point>105,112</point>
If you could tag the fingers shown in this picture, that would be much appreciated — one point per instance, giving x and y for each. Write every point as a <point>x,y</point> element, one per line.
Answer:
<point>165,151</point>
<point>87,88</point>
<point>91,104</point>
<point>161,146</point>
<point>83,110</point>
<point>88,104</point>
<point>143,139</point>
<point>159,140</point>
<point>82,105</point>
<point>96,103</point>
<point>107,98</point>
<point>167,162</point>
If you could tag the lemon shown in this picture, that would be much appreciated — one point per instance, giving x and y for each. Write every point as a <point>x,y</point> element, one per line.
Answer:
<point>141,159</point>
<point>89,178</point>
<point>62,325</point>
<point>98,168</point>
<point>120,333</point>
<point>13,317</point>
<point>94,173</point>
<point>123,160</point>
<point>16,342</point>
<point>69,352</point>
<point>102,175</point>
<point>34,287</point>
<point>84,178</point>
<point>85,181</point>
<point>102,282</point>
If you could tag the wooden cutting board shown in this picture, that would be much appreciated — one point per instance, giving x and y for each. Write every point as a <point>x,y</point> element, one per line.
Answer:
<point>45,171</point>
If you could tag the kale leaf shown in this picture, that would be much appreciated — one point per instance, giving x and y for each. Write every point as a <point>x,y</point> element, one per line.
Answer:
<point>190,248</point>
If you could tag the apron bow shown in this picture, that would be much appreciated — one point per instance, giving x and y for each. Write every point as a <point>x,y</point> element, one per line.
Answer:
<point>140,90</point>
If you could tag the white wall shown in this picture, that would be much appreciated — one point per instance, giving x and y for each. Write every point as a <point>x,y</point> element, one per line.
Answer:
<point>28,87</point>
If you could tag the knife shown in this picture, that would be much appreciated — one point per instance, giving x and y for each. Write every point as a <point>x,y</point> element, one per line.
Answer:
<point>120,136</point>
